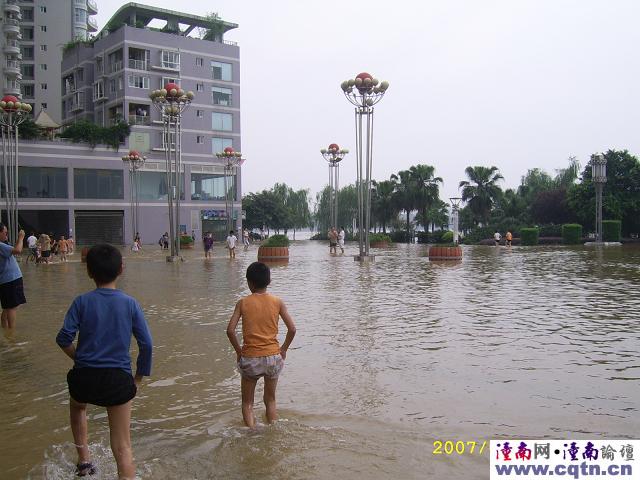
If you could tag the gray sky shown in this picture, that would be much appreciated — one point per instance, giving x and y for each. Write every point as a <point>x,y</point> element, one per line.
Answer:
<point>515,84</point>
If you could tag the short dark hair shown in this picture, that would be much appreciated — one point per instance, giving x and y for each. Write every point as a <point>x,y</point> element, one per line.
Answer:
<point>259,275</point>
<point>104,263</point>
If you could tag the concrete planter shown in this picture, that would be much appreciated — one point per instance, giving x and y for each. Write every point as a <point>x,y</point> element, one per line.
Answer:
<point>273,254</point>
<point>445,253</point>
<point>379,244</point>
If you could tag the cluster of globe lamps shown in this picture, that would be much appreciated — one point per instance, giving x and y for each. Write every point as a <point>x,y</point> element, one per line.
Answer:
<point>173,98</point>
<point>10,104</point>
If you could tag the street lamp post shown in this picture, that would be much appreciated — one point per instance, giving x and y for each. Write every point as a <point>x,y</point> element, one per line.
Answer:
<point>171,101</point>
<point>455,207</point>
<point>12,113</point>
<point>135,161</point>
<point>232,160</point>
<point>364,92</point>
<point>334,155</point>
<point>599,177</point>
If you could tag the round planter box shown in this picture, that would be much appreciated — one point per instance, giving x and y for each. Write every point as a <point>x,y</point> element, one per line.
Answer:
<point>445,253</point>
<point>273,254</point>
<point>83,254</point>
<point>379,244</point>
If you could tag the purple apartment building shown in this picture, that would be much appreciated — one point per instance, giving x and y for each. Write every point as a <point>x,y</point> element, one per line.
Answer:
<point>70,188</point>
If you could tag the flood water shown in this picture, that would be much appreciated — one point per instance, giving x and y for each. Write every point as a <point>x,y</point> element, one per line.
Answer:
<point>389,357</point>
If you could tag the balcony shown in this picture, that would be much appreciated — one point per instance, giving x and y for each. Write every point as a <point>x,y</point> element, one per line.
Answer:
<point>77,105</point>
<point>11,27</point>
<point>11,6</point>
<point>12,68</point>
<point>12,87</point>
<point>92,24</point>
<point>12,47</point>
<point>138,64</point>
<point>115,66</point>
<point>139,119</point>
<point>92,7</point>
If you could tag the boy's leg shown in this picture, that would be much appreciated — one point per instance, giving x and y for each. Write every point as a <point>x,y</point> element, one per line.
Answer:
<point>270,385</point>
<point>120,436</point>
<point>248,388</point>
<point>9,317</point>
<point>78,420</point>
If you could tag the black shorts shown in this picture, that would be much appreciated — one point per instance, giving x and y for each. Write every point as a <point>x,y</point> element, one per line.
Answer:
<point>333,244</point>
<point>12,294</point>
<point>46,253</point>
<point>105,387</point>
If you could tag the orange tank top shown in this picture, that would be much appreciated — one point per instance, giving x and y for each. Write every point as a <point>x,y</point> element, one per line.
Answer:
<point>260,313</point>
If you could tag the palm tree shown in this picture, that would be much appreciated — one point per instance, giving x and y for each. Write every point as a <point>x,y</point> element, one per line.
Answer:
<point>382,202</point>
<point>481,191</point>
<point>405,195</point>
<point>426,190</point>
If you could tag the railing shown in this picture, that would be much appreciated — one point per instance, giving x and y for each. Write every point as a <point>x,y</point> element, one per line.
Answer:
<point>115,66</point>
<point>11,2</point>
<point>11,21</point>
<point>12,43</point>
<point>13,64</point>
<point>75,106</point>
<point>138,64</point>
<point>139,119</point>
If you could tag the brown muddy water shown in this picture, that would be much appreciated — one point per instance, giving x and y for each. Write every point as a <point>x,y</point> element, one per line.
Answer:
<point>389,357</point>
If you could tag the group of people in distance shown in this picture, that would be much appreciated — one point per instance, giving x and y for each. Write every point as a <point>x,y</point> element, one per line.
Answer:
<point>508,237</point>
<point>230,243</point>
<point>336,239</point>
<point>44,248</point>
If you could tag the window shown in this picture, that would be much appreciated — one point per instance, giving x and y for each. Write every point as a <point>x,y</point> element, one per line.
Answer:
<point>98,90</point>
<point>43,106</point>
<point>43,48</point>
<point>43,28</point>
<point>40,182</point>
<point>121,83</point>
<point>221,71</point>
<point>27,90</point>
<point>199,61</point>
<point>219,144</point>
<point>80,15</point>
<point>221,96</point>
<point>27,14</point>
<point>43,9</point>
<point>80,74</point>
<point>112,86</point>
<point>99,65</point>
<point>222,121</point>
<point>27,53</point>
<point>200,139</point>
<point>98,183</point>
<point>153,186</point>
<point>43,66</point>
<point>27,71</point>
<point>27,34</point>
<point>199,87</point>
<point>170,59</point>
<point>166,80</point>
<point>209,186</point>
<point>199,113</point>
<point>138,81</point>
<point>43,86</point>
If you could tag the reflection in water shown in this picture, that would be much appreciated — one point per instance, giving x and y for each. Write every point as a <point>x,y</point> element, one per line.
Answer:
<point>389,356</point>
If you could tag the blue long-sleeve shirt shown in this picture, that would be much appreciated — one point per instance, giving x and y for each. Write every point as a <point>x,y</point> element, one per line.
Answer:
<point>104,320</point>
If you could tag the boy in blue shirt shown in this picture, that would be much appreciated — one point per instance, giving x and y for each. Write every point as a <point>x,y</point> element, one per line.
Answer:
<point>11,287</point>
<point>104,319</point>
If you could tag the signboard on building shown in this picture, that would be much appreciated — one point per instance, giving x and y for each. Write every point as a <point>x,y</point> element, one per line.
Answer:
<point>139,141</point>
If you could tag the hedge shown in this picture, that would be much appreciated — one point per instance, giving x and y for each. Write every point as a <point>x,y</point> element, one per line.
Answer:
<point>529,236</point>
<point>276,241</point>
<point>571,233</point>
<point>611,230</point>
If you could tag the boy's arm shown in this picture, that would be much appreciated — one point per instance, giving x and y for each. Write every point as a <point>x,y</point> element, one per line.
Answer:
<point>145,343</point>
<point>67,333</point>
<point>291,329</point>
<point>17,249</point>
<point>231,330</point>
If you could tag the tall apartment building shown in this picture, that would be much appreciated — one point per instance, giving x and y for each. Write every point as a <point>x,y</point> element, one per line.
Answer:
<point>35,32</point>
<point>72,187</point>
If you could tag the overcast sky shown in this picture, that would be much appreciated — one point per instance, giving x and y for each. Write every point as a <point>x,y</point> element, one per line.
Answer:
<point>512,83</point>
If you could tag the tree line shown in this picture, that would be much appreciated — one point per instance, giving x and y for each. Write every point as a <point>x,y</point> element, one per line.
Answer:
<point>410,200</point>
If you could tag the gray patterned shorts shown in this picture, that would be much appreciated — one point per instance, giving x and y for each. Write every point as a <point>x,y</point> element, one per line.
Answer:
<point>256,367</point>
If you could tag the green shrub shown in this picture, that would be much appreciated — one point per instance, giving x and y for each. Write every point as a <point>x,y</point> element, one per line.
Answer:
<point>478,234</point>
<point>571,233</point>
<point>379,237</point>
<point>551,230</point>
<point>431,237</point>
<point>88,132</point>
<point>276,241</point>
<point>529,236</point>
<point>186,239</point>
<point>447,237</point>
<point>611,230</point>
<point>400,236</point>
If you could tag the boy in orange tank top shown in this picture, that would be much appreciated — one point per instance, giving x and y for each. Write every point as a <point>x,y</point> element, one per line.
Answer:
<point>260,354</point>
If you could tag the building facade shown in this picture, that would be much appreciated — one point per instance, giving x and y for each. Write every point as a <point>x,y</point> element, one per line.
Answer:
<point>72,188</point>
<point>34,33</point>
